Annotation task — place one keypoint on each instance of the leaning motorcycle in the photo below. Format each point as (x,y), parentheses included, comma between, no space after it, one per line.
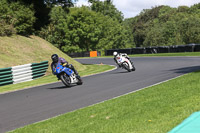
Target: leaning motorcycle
(67,75)
(125,63)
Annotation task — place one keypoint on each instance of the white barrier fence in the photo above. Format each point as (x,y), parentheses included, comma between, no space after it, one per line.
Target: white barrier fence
(22,73)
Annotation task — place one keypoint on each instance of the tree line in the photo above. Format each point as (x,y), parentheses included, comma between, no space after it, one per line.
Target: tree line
(164,26)
(99,26)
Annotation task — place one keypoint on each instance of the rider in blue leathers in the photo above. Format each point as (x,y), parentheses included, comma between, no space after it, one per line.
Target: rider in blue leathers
(59,60)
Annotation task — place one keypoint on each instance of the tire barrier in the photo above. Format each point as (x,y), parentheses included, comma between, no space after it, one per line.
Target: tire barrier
(22,73)
(83,54)
(159,49)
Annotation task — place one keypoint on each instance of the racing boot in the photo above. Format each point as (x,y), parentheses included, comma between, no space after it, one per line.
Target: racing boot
(78,77)
(58,77)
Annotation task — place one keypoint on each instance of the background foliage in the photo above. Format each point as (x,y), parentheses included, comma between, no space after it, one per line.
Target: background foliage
(86,28)
(99,26)
(15,17)
(164,26)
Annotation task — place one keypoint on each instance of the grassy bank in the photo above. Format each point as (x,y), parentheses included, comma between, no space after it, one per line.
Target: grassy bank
(90,69)
(152,110)
(19,50)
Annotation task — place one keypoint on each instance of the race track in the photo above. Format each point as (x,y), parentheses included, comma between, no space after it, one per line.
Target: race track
(28,106)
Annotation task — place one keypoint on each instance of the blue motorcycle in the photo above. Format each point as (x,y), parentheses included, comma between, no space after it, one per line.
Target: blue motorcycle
(67,75)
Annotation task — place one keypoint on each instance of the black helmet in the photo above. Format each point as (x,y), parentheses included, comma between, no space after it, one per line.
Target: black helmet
(54,58)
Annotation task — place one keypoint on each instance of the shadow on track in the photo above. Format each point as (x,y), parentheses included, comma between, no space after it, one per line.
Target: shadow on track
(118,72)
(185,70)
(59,87)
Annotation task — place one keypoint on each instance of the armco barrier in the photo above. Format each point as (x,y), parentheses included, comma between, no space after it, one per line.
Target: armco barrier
(163,49)
(22,73)
(159,49)
(81,54)
(197,47)
(138,51)
(5,76)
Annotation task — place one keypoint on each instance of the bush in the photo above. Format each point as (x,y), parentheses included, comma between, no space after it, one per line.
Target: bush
(15,18)
(6,29)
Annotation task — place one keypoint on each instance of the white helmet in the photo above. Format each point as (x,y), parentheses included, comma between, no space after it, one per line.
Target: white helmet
(115,53)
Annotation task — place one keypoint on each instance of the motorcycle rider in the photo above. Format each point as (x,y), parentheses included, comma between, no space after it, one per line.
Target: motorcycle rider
(115,54)
(59,60)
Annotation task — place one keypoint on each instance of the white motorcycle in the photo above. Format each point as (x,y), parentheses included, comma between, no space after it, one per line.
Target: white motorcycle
(125,63)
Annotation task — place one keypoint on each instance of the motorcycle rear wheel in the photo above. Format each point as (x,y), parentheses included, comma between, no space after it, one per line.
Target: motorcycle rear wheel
(65,79)
(133,69)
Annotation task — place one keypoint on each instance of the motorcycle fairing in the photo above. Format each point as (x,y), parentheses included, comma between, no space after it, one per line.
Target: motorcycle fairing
(59,69)
(120,60)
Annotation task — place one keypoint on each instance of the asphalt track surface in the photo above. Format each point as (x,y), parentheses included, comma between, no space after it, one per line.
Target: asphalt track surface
(24,107)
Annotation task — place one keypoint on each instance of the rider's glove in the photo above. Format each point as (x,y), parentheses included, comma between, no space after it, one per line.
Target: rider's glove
(127,57)
(65,64)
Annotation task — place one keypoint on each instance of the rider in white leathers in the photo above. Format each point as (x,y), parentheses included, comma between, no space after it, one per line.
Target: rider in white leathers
(115,54)
(119,55)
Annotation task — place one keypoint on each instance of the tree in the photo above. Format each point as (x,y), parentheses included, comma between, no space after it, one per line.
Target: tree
(190,29)
(55,31)
(107,9)
(94,31)
(16,17)
(195,9)
(83,30)
(164,25)
(128,24)
(113,36)
(63,3)
(42,9)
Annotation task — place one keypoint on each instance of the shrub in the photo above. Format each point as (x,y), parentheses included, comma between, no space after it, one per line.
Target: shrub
(15,17)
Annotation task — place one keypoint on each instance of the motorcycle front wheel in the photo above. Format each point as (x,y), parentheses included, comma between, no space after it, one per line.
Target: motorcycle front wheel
(80,81)
(133,69)
(65,79)
(126,66)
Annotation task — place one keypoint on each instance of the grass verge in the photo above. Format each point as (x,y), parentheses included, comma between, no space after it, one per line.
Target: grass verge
(90,69)
(156,55)
(168,54)
(156,109)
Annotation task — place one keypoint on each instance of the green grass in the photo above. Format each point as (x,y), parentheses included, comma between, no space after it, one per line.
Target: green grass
(90,69)
(168,54)
(156,55)
(156,109)
(94,69)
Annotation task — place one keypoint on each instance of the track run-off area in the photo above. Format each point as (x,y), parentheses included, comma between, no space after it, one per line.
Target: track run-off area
(28,106)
